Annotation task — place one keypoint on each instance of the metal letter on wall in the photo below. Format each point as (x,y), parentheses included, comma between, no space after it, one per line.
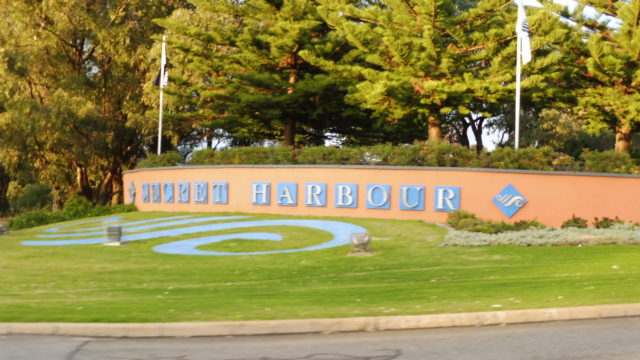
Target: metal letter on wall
(287,194)
(411,197)
(261,193)
(378,196)
(446,198)
(346,196)
(168,191)
(220,192)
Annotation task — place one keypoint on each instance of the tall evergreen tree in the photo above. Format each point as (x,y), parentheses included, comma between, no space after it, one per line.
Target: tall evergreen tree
(435,61)
(612,99)
(243,72)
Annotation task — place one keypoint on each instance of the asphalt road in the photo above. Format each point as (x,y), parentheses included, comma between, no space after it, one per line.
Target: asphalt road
(610,339)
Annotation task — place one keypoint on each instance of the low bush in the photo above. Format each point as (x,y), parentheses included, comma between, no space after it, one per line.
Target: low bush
(575,222)
(75,208)
(528,159)
(418,154)
(606,222)
(253,155)
(607,162)
(620,234)
(466,221)
(162,160)
(35,218)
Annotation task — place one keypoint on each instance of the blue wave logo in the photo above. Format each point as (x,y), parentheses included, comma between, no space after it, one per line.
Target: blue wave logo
(509,201)
(70,234)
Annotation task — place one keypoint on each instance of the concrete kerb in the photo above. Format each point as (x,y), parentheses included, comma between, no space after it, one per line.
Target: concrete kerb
(264,327)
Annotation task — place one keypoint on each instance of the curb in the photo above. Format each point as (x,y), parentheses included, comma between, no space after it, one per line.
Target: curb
(265,327)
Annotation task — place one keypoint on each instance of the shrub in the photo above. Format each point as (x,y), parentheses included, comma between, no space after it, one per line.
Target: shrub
(524,159)
(466,221)
(607,161)
(252,155)
(434,154)
(330,155)
(377,155)
(417,154)
(108,210)
(454,218)
(203,157)
(35,218)
(527,225)
(34,196)
(575,222)
(162,160)
(77,207)
(606,222)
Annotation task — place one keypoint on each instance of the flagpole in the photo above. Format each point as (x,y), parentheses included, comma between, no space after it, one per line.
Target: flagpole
(163,61)
(518,73)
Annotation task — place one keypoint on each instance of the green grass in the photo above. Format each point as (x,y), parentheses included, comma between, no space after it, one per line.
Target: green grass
(409,274)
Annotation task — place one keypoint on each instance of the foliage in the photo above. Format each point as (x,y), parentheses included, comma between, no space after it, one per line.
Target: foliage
(608,161)
(620,234)
(417,154)
(35,218)
(605,222)
(241,72)
(244,155)
(466,221)
(575,222)
(32,196)
(528,159)
(73,74)
(436,63)
(162,160)
(612,99)
(75,208)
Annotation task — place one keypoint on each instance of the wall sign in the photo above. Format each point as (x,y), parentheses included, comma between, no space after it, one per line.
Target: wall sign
(312,194)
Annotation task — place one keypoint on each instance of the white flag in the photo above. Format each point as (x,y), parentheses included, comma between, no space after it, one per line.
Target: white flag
(522,30)
(162,79)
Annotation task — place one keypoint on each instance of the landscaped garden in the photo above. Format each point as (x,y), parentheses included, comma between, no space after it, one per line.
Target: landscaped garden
(411,272)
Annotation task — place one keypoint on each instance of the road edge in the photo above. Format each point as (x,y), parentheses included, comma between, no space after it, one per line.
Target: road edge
(302,326)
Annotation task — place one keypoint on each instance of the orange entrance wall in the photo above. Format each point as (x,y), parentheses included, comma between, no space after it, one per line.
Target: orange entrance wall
(552,197)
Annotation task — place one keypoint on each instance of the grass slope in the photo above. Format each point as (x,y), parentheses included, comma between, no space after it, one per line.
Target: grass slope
(409,274)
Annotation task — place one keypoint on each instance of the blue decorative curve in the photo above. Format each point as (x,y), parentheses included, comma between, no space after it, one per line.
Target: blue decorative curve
(341,232)
(341,236)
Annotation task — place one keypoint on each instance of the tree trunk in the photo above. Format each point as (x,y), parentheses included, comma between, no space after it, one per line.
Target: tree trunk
(82,182)
(623,137)
(116,186)
(4,186)
(435,129)
(476,128)
(56,199)
(290,132)
(104,193)
(290,124)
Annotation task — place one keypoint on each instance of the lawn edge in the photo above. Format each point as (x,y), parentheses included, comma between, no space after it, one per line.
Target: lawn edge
(303,326)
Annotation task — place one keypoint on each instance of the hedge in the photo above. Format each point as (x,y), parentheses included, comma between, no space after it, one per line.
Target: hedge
(417,154)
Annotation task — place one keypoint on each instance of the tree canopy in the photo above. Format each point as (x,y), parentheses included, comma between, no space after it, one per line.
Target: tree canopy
(77,104)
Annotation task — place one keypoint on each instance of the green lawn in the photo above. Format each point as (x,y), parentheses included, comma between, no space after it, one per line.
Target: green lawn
(409,274)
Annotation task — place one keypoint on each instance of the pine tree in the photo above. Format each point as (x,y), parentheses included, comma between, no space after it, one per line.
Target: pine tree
(242,71)
(612,99)
(440,62)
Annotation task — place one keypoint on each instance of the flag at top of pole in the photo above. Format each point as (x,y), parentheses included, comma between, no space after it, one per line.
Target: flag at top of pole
(522,29)
(523,56)
(161,81)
